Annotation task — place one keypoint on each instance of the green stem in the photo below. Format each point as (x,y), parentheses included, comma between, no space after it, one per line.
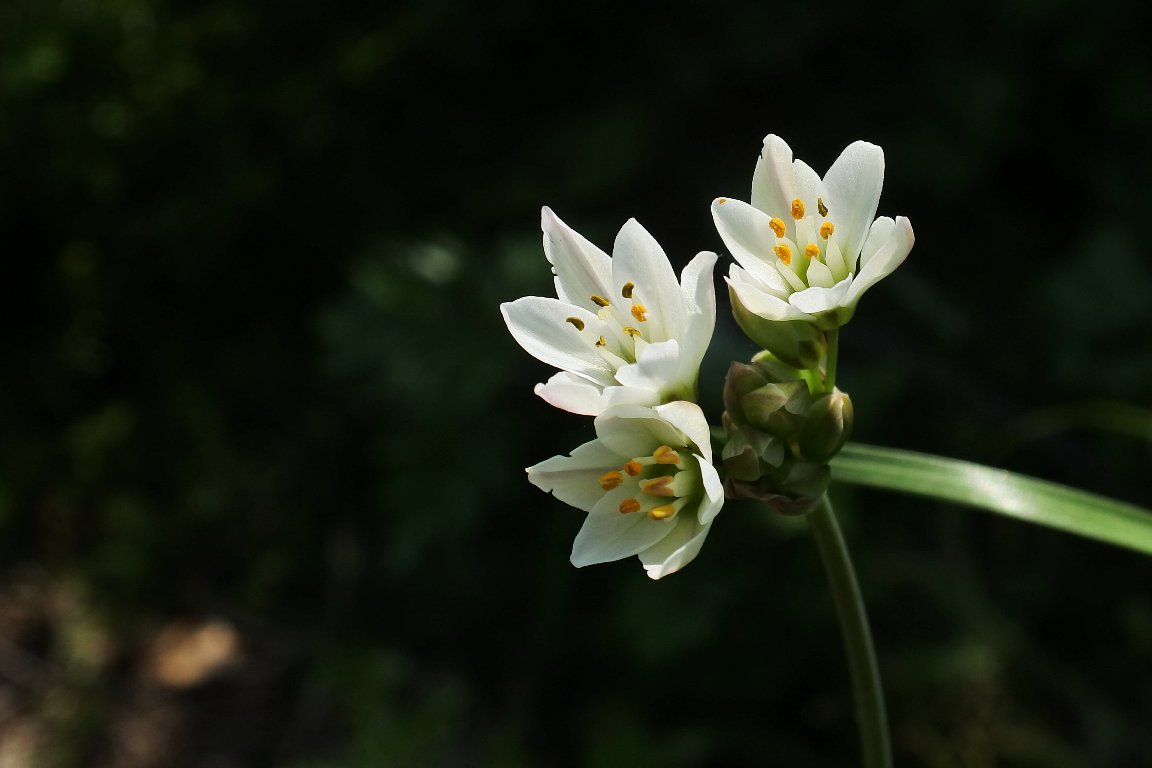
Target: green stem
(871,717)
(833,338)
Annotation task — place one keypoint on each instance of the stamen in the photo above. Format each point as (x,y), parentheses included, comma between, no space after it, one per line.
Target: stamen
(797,209)
(599,301)
(601,342)
(576,322)
(626,291)
(665,455)
(777,226)
(784,253)
(628,506)
(821,207)
(631,331)
(658,486)
(826,229)
(663,512)
(633,468)
(610,480)
(639,311)
(721,200)
(811,250)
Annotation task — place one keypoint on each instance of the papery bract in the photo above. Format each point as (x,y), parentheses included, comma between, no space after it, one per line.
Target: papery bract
(807,247)
(622,329)
(647,483)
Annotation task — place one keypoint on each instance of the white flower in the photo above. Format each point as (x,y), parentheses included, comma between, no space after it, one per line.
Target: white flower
(623,330)
(647,483)
(807,247)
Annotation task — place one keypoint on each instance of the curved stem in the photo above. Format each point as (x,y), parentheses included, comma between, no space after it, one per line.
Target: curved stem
(871,717)
(833,339)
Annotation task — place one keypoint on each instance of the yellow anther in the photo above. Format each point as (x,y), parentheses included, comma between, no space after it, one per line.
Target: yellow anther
(610,480)
(599,301)
(628,506)
(784,253)
(721,200)
(665,455)
(576,322)
(640,312)
(826,229)
(658,486)
(797,209)
(626,291)
(821,207)
(601,342)
(663,512)
(777,226)
(631,331)
(811,250)
(633,468)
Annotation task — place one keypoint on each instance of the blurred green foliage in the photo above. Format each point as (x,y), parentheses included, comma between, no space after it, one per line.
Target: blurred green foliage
(253,369)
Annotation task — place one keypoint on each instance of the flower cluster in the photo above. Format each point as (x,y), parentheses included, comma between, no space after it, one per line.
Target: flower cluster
(628,339)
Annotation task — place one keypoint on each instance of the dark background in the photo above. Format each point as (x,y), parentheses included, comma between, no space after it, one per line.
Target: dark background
(262,430)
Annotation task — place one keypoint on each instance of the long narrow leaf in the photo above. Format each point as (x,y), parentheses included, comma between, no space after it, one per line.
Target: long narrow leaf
(996,490)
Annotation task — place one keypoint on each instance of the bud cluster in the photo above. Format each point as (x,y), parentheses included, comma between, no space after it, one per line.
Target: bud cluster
(781,430)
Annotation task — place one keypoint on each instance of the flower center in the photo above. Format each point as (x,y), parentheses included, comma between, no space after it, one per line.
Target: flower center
(806,249)
(627,324)
(658,485)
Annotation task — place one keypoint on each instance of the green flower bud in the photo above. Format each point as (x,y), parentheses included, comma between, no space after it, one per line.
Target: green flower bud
(776,408)
(827,426)
(797,343)
(741,380)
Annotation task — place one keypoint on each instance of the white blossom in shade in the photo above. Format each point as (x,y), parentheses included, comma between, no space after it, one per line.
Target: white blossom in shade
(647,483)
(808,248)
(622,329)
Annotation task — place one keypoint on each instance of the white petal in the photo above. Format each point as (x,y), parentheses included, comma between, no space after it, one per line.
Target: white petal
(675,550)
(889,252)
(638,259)
(575,479)
(713,493)
(539,325)
(581,268)
(762,304)
(574,394)
(809,188)
(656,368)
(700,321)
(835,259)
(881,231)
(774,180)
(817,300)
(689,419)
(819,275)
(608,535)
(632,430)
(852,192)
(749,239)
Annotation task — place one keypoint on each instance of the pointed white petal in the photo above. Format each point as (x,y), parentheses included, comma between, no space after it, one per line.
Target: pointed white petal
(656,368)
(814,301)
(774,180)
(638,259)
(540,326)
(574,394)
(745,231)
(574,479)
(884,256)
(675,550)
(762,304)
(689,419)
(852,192)
(581,268)
(878,237)
(700,317)
(835,260)
(713,493)
(608,535)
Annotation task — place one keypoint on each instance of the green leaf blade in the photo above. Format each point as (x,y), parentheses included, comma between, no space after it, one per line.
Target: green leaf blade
(996,490)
